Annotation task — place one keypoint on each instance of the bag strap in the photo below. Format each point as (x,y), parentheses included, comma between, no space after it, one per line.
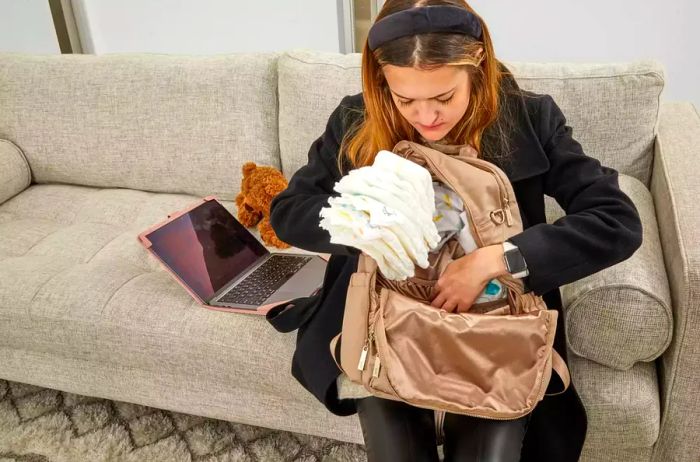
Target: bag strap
(559,366)
(365,263)
(292,314)
(335,349)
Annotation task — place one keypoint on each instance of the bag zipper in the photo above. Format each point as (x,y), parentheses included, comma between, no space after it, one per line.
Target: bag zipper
(365,347)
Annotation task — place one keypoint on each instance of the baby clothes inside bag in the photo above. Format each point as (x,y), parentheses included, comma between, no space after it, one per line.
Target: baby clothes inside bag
(451,218)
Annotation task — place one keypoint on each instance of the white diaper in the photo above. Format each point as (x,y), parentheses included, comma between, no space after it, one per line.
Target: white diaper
(385,210)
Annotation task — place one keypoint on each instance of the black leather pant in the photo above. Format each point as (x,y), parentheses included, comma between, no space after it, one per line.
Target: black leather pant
(395,431)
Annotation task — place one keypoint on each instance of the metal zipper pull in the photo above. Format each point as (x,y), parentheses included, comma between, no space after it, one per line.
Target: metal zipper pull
(506,208)
(363,357)
(365,347)
(375,371)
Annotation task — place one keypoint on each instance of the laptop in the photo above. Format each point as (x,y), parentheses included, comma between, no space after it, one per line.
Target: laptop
(224,266)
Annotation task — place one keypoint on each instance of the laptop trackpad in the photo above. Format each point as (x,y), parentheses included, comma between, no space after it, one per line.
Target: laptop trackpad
(303,283)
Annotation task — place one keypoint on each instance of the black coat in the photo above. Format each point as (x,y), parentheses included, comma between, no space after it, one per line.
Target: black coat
(602,227)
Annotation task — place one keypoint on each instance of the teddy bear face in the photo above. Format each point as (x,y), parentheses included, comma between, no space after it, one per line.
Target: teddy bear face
(260,185)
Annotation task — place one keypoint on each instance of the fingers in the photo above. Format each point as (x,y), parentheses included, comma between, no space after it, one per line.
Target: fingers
(443,300)
(438,300)
(449,306)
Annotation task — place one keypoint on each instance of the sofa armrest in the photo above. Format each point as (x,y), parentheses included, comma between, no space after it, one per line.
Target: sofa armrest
(676,192)
(622,314)
(15,175)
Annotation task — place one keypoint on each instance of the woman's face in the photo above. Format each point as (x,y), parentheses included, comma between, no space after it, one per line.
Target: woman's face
(433,101)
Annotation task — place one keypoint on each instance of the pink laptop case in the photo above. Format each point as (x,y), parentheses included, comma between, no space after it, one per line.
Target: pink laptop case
(261,310)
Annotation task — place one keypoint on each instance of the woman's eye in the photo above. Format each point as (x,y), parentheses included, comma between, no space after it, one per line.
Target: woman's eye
(441,101)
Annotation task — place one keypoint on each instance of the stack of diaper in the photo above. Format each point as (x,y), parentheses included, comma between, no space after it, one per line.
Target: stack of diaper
(386,210)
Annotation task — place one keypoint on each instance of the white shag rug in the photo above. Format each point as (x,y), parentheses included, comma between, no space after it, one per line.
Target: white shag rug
(44,425)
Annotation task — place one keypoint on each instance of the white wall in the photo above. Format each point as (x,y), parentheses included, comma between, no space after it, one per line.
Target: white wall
(602,31)
(206,26)
(26,26)
(535,30)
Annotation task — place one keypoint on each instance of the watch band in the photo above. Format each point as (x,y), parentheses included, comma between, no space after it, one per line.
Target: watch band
(511,249)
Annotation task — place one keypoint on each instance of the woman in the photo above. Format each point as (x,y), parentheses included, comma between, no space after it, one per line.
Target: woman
(430,75)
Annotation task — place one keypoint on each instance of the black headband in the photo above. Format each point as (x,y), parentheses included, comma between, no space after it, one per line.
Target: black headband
(422,19)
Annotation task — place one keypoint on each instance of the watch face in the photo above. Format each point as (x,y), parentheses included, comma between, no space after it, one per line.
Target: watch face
(516,262)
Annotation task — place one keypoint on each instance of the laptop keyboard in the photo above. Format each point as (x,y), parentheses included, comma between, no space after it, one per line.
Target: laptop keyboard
(257,286)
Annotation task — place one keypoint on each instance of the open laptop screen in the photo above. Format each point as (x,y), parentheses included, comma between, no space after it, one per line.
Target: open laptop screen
(206,247)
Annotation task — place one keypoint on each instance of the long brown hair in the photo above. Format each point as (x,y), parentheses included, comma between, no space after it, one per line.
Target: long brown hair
(383,125)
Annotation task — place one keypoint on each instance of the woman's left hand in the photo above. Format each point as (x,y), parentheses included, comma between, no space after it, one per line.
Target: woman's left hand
(465,278)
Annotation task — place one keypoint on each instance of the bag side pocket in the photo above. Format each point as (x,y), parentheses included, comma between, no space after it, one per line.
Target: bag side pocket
(355,323)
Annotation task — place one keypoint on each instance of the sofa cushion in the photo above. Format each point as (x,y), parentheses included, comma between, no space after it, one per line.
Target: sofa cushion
(15,175)
(612,108)
(84,308)
(77,283)
(622,406)
(622,314)
(311,85)
(164,123)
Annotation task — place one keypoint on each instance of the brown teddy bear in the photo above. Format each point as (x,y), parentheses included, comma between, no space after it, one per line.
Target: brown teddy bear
(259,185)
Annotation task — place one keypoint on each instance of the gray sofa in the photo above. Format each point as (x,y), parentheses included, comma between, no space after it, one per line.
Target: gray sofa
(97,148)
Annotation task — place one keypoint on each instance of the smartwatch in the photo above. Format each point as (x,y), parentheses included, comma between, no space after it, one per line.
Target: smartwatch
(514,260)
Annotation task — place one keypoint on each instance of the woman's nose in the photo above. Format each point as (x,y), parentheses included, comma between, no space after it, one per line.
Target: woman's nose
(427,114)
